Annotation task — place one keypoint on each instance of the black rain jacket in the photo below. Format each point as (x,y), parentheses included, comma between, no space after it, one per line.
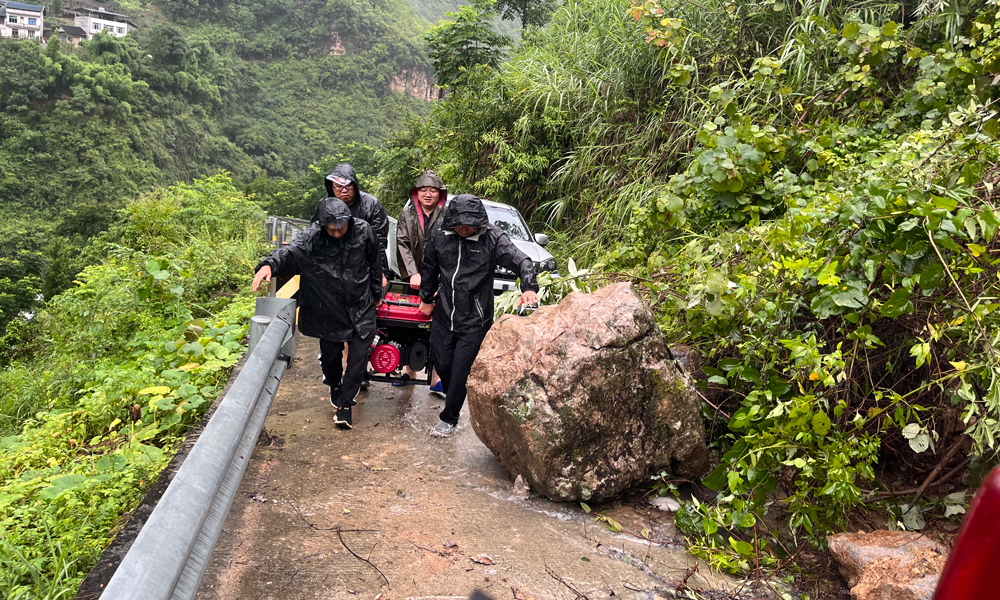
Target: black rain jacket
(341,279)
(461,269)
(366,207)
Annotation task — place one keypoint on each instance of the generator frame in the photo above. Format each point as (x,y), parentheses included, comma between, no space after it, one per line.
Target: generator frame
(394,323)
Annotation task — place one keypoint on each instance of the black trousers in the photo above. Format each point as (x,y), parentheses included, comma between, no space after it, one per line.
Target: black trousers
(453,355)
(331,359)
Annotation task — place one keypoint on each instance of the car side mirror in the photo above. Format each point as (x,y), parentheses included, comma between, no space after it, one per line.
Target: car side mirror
(541,239)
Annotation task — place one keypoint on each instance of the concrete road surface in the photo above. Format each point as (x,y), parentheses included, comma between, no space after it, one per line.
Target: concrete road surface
(437,518)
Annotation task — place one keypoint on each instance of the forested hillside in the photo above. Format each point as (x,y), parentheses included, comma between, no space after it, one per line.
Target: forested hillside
(259,90)
(805,192)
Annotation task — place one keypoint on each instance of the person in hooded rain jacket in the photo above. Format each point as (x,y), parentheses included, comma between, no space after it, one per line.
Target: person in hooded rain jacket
(338,259)
(461,256)
(413,227)
(342,183)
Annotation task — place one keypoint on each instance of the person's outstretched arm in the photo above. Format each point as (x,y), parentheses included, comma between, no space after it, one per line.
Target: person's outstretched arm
(511,258)
(282,261)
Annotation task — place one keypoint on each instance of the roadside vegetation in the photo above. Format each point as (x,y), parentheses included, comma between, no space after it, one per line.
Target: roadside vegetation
(805,193)
(99,387)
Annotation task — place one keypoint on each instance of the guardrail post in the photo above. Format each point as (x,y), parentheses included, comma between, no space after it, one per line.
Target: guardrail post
(258,324)
(269,307)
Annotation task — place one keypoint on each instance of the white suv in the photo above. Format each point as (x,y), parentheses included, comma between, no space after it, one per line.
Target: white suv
(510,221)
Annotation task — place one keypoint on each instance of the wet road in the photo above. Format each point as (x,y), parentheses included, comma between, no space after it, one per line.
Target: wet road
(432,513)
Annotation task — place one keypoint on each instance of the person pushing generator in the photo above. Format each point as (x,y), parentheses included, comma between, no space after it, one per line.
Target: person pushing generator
(461,256)
(340,263)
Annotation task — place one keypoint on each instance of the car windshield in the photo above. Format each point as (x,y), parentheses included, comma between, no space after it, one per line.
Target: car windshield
(509,222)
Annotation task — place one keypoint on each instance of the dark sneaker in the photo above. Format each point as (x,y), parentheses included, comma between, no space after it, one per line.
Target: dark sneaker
(443,430)
(437,389)
(343,418)
(366,383)
(335,397)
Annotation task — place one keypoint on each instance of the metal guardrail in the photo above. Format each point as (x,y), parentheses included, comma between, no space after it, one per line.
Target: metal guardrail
(282,230)
(170,555)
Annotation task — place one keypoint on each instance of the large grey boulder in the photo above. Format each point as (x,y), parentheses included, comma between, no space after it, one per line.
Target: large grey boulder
(584,399)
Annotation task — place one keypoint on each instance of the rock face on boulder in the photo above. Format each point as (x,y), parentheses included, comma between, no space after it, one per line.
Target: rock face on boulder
(888,565)
(584,399)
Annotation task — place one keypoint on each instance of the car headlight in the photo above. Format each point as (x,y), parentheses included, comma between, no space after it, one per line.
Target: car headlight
(549,265)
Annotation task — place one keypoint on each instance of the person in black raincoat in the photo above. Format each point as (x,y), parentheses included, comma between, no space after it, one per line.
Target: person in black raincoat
(342,183)
(338,259)
(460,259)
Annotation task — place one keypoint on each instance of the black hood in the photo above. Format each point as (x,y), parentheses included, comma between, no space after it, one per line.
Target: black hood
(330,209)
(465,210)
(346,171)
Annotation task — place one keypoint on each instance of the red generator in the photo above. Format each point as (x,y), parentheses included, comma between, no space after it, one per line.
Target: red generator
(403,336)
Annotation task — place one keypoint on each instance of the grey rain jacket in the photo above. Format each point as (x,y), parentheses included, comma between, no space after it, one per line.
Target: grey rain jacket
(366,207)
(461,269)
(341,279)
(413,227)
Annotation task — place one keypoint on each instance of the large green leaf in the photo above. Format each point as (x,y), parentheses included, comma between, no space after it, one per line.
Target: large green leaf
(898,304)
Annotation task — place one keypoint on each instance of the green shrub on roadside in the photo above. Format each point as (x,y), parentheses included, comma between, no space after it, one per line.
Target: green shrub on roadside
(132,355)
(805,194)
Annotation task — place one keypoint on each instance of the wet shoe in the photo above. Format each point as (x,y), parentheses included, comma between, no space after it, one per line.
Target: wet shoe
(403,380)
(443,430)
(437,389)
(343,418)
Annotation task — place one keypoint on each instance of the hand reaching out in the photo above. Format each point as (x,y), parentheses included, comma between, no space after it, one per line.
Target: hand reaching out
(264,274)
(528,297)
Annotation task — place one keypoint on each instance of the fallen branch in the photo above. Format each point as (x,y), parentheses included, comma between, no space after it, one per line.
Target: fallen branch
(341,537)
(579,595)
(717,409)
(335,528)
(438,552)
(930,478)
(943,480)
(683,584)
(340,531)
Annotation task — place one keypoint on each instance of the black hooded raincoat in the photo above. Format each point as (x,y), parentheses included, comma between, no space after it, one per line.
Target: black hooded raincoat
(341,279)
(461,269)
(365,207)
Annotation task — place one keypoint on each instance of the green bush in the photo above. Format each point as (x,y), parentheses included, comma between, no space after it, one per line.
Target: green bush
(104,382)
(805,194)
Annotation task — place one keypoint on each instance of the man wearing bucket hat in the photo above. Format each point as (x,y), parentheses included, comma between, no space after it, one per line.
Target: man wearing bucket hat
(338,259)
(461,257)
(426,207)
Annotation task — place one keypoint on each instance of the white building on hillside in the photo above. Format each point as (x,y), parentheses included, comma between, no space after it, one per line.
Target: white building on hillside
(20,20)
(93,20)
